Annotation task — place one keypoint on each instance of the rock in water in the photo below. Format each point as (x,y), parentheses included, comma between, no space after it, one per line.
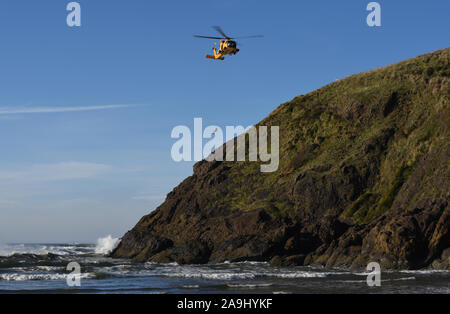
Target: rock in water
(363,176)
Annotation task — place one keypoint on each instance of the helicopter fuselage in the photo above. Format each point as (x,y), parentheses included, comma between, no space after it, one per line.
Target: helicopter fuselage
(227,47)
(227,44)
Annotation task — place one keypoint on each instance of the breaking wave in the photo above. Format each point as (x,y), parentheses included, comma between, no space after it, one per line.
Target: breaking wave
(106,245)
(7,250)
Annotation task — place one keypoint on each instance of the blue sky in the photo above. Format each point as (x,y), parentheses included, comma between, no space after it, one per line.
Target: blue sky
(76,174)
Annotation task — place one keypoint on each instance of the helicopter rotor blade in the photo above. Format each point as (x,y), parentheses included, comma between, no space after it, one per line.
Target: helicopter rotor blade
(243,37)
(207,37)
(225,36)
(220,31)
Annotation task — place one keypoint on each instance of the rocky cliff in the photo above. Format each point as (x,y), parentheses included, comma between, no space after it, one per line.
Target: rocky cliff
(363,176)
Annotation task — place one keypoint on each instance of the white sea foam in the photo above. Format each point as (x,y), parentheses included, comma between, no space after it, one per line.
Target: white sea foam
(11,249)
(299,274)
(281,292)
(401,279)
(361,274)
(190,287)
(48,268)
(383,280)
(250,286)
(234,273)
(424,271)
(106,245)
(212,275)
(41,249)
(28,276)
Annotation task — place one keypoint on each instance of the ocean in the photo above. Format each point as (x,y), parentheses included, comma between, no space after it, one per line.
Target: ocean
(41,268)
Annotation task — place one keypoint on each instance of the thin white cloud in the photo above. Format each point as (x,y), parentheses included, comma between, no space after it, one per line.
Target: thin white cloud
(56,172)
(26,110)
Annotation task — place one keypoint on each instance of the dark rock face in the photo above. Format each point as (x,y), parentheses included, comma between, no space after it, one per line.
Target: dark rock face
(194,252)
(364,176)
(141,245)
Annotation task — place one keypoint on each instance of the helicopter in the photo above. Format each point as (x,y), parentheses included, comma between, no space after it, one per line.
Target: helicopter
(228,45)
